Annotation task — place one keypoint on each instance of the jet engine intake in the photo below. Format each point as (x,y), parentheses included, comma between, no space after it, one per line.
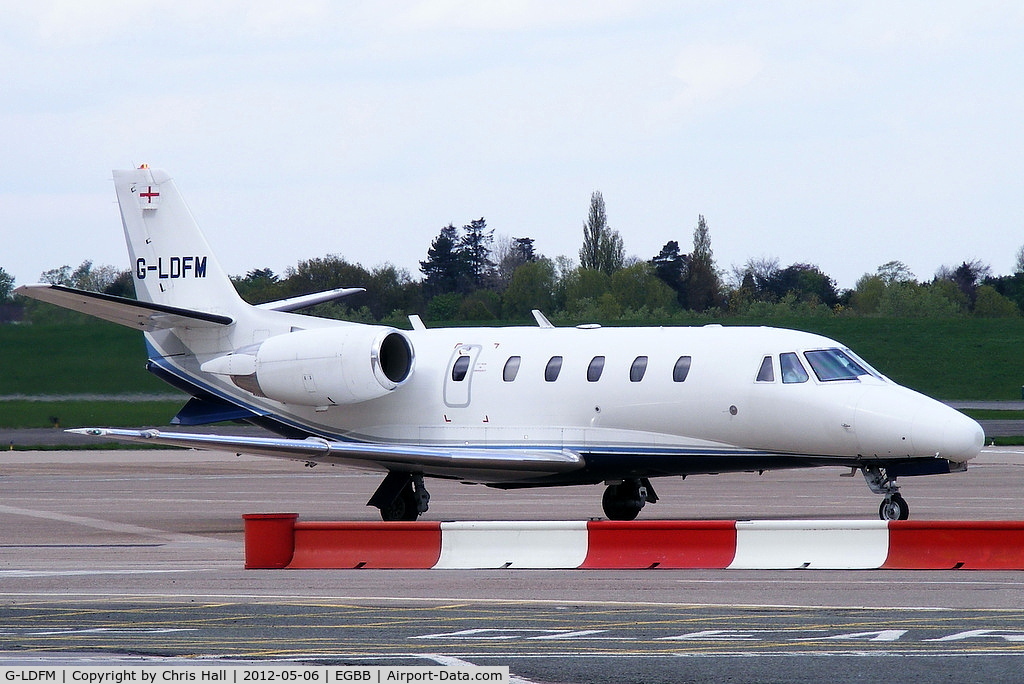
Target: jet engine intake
(321,367)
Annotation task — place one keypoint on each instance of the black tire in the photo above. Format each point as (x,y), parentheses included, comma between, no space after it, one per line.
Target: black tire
(894,508)
(404,507)
(620,502)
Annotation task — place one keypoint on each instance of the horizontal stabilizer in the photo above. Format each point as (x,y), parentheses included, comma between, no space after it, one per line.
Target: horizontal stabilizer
(386,456)
(303,301)
(121,310)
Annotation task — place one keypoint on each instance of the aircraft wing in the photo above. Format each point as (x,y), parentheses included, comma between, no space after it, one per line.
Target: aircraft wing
(386,456)
(121,310)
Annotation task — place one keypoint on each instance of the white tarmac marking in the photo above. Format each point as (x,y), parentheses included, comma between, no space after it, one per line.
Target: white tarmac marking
(108,526)
(67,573)
(449,661)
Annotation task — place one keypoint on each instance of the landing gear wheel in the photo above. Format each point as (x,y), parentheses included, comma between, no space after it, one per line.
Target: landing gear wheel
(622,502)
(894,507)
(404,507)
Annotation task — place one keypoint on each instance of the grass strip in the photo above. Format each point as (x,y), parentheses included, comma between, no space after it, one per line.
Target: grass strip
(1004,441)
(993,414)
(73,414)
(104,445)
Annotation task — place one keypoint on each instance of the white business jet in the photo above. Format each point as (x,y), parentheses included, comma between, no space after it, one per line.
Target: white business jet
(506,407)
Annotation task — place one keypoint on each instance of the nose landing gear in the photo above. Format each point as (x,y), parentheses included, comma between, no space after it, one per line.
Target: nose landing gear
(894,506)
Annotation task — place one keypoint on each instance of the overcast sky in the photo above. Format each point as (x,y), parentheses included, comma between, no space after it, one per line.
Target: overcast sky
(841,134)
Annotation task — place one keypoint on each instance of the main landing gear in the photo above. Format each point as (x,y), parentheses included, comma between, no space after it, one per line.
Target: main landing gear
(401,496)
(624,498)
(894,506)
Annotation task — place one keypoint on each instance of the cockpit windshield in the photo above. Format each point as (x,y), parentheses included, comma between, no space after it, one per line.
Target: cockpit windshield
(864,364)
(835,364)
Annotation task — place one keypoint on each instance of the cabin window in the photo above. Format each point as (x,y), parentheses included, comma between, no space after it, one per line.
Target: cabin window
(553,368)
(460,368)
(834,364)
(767,371)
(637,370)
(792,370)
(681,369)
(595,369)
(511,369)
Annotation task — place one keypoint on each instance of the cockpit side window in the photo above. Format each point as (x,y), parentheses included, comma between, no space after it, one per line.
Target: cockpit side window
(767,371)
(792,370)
(834,364)
(863,364)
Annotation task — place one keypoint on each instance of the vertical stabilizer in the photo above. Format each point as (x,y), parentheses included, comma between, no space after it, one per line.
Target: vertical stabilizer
(170,258)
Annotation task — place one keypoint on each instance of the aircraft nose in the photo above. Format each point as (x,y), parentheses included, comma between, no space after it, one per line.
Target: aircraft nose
(939,429)
(900,422)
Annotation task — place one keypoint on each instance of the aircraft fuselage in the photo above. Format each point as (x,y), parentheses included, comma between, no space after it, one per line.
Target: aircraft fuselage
(646,401)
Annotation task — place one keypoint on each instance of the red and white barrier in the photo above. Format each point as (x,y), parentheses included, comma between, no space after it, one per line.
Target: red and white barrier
(811,544)
(280,540)
(527,544)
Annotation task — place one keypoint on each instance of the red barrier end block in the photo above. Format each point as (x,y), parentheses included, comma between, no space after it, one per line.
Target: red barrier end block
(269,539)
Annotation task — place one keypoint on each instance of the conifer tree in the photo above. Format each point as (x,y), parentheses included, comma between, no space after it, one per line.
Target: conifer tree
(602,247)
(445,268)
(703,286)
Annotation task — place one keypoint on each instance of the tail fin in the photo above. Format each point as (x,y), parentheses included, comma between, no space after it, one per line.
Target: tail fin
(171,260)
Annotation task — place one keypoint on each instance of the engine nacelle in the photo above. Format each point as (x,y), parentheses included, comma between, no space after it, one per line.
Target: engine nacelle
(321,367)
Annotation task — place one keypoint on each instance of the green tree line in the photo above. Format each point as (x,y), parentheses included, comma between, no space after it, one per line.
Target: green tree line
(470,275)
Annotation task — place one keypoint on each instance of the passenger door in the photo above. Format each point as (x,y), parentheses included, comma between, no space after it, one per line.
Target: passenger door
(459,377)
